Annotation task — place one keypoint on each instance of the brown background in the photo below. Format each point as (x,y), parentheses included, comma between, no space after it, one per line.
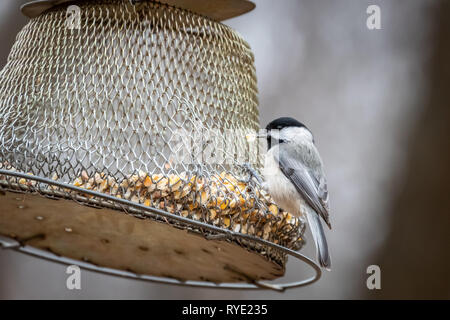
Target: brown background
(378,104)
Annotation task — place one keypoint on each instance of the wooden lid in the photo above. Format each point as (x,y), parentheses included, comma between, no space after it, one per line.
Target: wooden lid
(218,10)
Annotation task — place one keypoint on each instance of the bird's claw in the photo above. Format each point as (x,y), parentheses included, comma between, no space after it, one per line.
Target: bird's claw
(252,174)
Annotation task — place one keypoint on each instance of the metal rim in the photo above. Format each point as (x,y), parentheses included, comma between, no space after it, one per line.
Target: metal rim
(9,243)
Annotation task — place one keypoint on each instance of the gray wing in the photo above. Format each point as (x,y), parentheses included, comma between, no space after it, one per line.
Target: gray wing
(313,189)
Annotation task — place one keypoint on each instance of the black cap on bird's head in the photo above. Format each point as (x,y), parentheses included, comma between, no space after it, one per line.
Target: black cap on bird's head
(280,124)
(283,122)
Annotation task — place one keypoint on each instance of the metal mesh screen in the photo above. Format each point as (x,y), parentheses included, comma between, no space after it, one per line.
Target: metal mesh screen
(144,102)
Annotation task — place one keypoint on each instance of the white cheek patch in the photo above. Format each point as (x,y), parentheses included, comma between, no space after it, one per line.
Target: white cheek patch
(275,134)
(275,137)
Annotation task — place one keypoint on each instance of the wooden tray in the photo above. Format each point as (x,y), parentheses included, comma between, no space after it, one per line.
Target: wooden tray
(115,239)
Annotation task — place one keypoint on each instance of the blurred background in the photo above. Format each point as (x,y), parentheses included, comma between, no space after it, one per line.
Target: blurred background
(378,102)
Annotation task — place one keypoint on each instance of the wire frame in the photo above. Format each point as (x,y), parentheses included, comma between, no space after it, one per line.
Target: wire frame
(145,104)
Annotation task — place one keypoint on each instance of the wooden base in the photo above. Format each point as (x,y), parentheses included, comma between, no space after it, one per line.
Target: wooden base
(217,10)
(114,239)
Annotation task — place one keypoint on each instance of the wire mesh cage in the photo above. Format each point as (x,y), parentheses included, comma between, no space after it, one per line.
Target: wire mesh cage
(123,138)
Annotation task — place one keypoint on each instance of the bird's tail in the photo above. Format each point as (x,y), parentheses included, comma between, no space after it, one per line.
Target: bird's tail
(319,239)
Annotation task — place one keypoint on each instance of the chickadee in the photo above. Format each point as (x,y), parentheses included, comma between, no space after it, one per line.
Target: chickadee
(294,177)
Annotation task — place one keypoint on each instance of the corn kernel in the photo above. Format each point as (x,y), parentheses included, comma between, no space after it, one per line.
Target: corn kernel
(226,221)
(78,182)
(103,185)
(97,178)
(162,184)
(274,209)
(148,181)
(84,175)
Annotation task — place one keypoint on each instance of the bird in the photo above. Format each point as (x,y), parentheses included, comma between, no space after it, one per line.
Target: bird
(293,175)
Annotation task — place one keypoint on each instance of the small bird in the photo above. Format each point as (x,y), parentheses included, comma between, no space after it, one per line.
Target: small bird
(294,177)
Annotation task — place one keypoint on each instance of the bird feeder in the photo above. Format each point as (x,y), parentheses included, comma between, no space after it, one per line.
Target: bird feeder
(109,113)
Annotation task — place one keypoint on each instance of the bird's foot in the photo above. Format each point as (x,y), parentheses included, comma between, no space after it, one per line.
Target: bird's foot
(252,174)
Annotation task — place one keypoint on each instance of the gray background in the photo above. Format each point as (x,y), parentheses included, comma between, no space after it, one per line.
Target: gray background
(363,93)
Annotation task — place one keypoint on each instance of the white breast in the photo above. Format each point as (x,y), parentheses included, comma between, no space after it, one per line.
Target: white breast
(280,188)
